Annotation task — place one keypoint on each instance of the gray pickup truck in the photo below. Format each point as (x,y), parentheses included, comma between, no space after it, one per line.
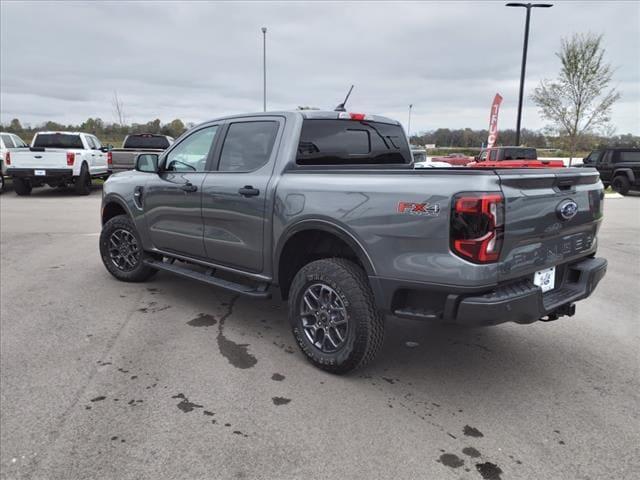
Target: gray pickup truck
(124,158)
(326,208)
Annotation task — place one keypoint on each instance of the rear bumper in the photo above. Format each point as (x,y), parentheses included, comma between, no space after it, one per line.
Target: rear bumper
(30,173)
(520,301)
(523,302)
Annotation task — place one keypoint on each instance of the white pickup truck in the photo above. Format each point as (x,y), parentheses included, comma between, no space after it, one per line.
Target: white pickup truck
(58,159)
(9,143)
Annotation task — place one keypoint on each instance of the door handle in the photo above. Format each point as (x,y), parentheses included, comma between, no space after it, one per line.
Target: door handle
(189,187)
(249,191)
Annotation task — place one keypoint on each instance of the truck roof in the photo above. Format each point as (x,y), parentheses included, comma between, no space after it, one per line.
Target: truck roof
(50,132)
(311,114)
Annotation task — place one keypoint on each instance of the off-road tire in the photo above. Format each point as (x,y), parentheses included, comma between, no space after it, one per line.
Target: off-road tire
(621,184)
(22,187)
(82,184)
(141,272)
(365,327)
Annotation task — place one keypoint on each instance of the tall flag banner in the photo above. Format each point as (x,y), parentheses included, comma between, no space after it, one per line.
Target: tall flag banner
(493,121)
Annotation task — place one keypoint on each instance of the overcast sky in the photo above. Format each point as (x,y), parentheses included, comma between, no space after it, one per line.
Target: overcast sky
(62,61)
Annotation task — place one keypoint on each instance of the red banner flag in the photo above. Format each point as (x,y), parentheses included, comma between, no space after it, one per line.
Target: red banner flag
(493,121)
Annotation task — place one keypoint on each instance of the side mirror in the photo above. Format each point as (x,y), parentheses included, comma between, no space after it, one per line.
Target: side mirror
(147,162)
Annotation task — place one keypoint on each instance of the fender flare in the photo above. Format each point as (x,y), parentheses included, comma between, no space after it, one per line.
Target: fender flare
(113,198)
(628,172)
(325,226)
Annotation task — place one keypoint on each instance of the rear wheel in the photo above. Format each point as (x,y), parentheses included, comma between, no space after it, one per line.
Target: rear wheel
(22,186)
(621,184)
(121,251)
(333,315)
(83,182)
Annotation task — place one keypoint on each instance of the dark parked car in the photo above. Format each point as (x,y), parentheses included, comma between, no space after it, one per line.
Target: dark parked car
(618,167)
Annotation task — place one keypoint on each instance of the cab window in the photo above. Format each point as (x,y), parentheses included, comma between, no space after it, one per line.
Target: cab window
(247,146)
(191,154)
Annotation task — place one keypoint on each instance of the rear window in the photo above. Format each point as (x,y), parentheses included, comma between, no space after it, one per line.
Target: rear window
(629,156)
(349,142)
(520,154)
(146,141)
(58,140)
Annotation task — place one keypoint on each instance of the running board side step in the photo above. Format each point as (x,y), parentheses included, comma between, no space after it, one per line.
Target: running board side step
(261,291)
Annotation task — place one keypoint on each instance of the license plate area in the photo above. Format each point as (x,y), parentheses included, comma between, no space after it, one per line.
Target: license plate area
(545,279)
(40,173)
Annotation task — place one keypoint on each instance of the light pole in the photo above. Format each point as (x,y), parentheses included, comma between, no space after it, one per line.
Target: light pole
(409,123)
(264,69)
(528,6)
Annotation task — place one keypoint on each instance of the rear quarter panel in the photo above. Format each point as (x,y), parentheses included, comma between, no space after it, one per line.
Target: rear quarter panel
(365,204)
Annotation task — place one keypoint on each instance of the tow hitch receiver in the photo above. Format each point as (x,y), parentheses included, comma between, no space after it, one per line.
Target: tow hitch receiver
(568,310)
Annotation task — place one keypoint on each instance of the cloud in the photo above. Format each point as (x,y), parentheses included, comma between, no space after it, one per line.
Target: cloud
(62,61)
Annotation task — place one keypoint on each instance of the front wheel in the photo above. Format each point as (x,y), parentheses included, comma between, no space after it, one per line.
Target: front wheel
(333,315)
(621,184)
(121,251)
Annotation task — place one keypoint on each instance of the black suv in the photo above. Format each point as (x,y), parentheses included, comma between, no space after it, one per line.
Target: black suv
(618,167)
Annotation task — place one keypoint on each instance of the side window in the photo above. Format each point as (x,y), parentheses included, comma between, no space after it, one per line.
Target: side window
(191,154)
(629,156)
(493,155)
(96,142)
(247,146)
(18,141)
(89,141)
(7,141)
(483,155)
(606,158)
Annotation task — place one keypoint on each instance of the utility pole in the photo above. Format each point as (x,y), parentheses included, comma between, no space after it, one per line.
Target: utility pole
(409,123)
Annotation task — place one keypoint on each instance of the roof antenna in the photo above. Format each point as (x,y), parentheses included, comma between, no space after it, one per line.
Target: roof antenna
(340,108)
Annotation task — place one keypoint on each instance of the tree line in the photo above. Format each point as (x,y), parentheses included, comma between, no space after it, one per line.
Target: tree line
(108,133)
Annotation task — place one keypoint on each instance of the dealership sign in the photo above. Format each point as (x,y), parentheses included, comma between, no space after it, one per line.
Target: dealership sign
(493,121)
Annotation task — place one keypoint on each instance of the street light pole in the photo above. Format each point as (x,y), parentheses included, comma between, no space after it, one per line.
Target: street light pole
(409,123)
(528,6)
(264,69)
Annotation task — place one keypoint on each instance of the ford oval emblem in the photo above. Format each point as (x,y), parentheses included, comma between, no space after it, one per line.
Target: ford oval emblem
(567,209)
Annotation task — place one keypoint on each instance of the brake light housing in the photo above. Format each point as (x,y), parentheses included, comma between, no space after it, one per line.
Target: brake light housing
(353,116)
(477,226)
(109,159)
(7,158)
(71,158)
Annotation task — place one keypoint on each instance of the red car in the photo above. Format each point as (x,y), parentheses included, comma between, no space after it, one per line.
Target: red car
(456,159)
(512,157)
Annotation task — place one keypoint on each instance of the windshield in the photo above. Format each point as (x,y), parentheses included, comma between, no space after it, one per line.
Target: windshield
(58,140)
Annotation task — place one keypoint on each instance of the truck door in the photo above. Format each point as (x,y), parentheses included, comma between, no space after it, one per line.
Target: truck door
(604,166)
(234,201)
(172,199)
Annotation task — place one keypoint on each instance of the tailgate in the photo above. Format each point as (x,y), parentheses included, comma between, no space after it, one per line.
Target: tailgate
(551,217)
(51,158)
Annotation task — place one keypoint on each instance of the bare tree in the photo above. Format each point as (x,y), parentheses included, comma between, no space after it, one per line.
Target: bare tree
(579,102)
(118,109)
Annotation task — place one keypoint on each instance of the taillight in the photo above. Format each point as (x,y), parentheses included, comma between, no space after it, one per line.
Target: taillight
(71,157)
(109,158)
(477,226)
(7,158)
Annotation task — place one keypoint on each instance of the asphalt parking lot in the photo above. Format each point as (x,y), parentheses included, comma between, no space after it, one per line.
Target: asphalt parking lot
(173,379)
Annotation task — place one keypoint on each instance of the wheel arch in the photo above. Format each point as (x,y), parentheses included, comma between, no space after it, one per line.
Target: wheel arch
(310,240)
(113,206)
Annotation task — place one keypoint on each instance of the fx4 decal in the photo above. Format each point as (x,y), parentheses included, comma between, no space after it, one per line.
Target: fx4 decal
(412,208)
